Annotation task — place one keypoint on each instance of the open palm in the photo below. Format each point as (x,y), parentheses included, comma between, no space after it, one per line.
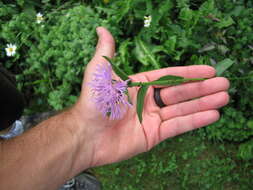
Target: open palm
(188,106)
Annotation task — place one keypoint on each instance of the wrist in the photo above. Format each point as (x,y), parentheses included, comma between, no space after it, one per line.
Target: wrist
(91,126)
(82,143)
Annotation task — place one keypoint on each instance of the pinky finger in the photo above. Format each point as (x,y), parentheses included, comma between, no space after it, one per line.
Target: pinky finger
(179,125)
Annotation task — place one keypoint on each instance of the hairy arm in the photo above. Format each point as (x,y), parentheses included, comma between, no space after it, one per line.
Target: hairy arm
(46,156)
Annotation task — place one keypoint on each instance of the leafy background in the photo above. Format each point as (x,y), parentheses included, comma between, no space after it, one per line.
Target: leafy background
(52,55)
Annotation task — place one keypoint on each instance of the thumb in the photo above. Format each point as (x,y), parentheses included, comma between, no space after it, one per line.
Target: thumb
(105,46)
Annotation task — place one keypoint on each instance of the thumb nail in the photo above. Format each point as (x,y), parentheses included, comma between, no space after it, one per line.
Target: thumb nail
(98,30)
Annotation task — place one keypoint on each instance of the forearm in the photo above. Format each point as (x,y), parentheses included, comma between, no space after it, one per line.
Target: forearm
(44,157)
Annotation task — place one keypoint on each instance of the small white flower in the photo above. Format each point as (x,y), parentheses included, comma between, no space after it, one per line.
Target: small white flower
(11,50)
(39,18)
(147,21)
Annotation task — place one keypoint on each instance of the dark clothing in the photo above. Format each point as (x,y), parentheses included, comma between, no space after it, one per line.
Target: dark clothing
(11,100)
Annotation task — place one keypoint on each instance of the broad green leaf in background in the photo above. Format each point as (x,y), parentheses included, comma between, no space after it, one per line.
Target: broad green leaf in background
(124,9)
(208,7)
(223,49)
(170,44)
(186,14)
(144,54)
(246,150)
(117,70)
(124,56)
(207,47)
(140,101)
(222,66)
(182,3)
(225,22)
(160,12)
(189,18)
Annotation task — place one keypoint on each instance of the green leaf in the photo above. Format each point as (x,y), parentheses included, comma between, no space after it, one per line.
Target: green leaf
(144,54)
(186,14)
(170,80)
(225,22)
(222,66)
(125,7)
(207,7)
(117,70)
(124,56)
(140,101)
(170,44)
(169,77)
(246,150)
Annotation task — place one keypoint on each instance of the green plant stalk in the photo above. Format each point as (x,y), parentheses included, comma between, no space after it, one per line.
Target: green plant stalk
(166,82)
(179,81)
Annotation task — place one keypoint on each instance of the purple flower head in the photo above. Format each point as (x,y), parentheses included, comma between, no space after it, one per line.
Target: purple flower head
(109,95)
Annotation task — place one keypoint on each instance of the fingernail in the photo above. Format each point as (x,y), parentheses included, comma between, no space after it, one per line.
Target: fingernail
(98,30)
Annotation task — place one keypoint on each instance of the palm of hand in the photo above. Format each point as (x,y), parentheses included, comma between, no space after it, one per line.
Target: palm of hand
(127,137)
(118,140)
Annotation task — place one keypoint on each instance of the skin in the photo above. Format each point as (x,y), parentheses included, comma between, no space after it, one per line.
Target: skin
(80,137)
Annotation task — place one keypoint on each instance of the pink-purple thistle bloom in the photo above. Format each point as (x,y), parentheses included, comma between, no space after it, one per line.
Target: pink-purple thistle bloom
(109,95)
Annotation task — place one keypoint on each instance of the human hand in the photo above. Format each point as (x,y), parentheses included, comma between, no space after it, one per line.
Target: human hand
(188,106)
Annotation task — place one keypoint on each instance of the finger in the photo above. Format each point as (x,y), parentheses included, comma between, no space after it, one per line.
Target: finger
(179,125)
(183,92)
(209,102)
(105,47)
(194,71)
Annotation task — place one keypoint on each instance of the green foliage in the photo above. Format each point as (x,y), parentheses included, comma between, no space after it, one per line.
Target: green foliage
(193,32)
(212,178)
(53,53)
(246,150)
(232,126)
(185,162)
(64,48)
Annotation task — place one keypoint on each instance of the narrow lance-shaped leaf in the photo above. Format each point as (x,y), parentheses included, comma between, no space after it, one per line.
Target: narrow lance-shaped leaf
(170,77)
(117,70)
(170,80)
(140,101)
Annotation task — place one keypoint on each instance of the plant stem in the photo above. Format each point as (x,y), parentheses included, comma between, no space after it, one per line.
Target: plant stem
(165,82)
(179,81)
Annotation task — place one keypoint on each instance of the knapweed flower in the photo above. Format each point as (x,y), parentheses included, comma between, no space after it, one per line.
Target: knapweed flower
(11,49)
(147,21)
(109,95)
(39,18)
